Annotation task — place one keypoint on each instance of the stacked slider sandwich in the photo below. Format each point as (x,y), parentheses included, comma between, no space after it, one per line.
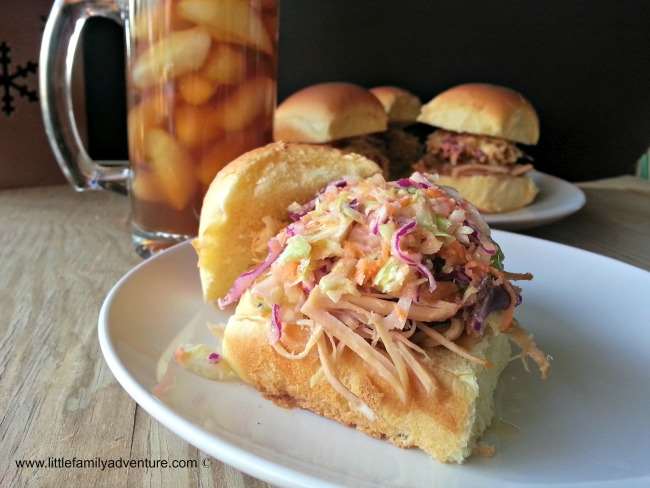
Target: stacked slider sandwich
(473,148)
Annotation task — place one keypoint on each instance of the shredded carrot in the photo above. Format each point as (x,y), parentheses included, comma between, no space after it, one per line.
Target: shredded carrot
(482,267)
(180,355)
(352,249)
(405,201)
(401,314)
(434,192)
(289,272)
(366,269)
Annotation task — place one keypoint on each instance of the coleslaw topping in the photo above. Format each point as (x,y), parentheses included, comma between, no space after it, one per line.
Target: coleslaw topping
(203,361)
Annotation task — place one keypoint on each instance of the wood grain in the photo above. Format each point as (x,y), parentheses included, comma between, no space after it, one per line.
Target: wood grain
(613,222)
(60,253)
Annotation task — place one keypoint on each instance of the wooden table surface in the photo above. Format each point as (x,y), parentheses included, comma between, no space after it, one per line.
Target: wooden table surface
(60,253)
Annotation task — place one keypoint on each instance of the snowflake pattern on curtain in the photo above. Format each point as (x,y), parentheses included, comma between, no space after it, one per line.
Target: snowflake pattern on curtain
(13,80)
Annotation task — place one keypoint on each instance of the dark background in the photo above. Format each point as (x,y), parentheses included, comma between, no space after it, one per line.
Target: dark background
(584,65)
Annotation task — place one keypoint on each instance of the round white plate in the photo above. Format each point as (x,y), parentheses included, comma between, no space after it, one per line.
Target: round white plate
(557,199)
(587,425)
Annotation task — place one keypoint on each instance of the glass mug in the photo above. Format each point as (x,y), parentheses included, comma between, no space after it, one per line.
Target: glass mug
(201,90)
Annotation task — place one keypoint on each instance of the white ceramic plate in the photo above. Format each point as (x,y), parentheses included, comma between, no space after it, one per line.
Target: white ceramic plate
(556,199)
(587,425)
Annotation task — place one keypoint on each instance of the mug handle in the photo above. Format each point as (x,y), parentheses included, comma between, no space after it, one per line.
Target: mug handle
(60,39)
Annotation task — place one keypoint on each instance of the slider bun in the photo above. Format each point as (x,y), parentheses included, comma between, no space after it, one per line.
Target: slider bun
(261,183)
(493,194)
(401,105)
(327,112)
(479,108)
(445,424)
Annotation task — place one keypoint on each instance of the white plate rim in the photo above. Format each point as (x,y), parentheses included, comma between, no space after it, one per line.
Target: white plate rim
(512,220)
(221,449)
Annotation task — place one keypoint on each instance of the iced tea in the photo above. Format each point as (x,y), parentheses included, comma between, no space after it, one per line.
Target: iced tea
(202,87)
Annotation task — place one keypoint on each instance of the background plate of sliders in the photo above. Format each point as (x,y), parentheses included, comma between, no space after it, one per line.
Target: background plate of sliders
(586,425)
(468,134)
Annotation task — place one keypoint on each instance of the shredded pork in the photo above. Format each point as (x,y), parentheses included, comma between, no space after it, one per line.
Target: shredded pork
(529,348)
(455,154)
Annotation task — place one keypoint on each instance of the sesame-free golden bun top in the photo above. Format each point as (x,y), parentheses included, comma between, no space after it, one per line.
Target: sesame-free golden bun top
(402,106)
(327,112)
(480,108)
(258,184)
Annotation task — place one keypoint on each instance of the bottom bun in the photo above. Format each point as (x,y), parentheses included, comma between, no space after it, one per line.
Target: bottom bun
(494,194)
(445,424)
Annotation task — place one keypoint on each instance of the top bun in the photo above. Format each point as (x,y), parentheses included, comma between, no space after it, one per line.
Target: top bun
(258,184)
(479,108)
(401,105)
(327,112)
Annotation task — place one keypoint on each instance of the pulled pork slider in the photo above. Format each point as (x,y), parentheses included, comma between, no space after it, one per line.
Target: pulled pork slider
(382,305)
(341,115)
(474,147)
(402,147)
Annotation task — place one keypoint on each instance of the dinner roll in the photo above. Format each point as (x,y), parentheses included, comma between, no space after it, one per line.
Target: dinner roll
(327,112)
